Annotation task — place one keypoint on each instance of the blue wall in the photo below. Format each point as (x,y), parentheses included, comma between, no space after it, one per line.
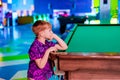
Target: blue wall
(41,6)
(76,6)
(47,6)
(4,0)
(83,6)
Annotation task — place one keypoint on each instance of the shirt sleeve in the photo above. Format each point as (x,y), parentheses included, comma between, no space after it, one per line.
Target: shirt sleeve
(34,53)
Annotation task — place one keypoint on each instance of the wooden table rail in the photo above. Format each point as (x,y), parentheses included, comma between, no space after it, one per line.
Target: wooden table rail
(89,66)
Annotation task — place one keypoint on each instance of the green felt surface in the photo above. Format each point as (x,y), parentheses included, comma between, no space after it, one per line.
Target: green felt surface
(94,39)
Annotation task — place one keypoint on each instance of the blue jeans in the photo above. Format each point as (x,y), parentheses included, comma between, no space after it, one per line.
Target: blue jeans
(54,77)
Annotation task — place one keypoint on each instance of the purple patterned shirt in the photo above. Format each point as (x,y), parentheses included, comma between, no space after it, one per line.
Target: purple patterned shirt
(36,51)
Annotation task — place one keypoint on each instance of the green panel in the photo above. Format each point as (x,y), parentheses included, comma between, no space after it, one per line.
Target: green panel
(16,57)
(96,3)
(114,8)
(6,50)
(95,39)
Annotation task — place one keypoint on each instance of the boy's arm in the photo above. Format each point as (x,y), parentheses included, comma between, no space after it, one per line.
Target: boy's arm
(61,44)
(41,62)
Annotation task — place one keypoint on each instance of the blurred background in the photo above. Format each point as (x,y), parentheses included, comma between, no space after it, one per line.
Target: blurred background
(17,17)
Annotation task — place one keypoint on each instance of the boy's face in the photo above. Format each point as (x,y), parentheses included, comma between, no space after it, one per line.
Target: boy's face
(48,34)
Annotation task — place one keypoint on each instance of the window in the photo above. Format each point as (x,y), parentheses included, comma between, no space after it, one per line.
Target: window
(104,1)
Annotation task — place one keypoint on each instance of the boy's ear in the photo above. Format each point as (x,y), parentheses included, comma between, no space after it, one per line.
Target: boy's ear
(41,33)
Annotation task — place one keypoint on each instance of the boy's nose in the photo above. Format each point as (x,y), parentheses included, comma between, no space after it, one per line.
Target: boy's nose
(51,31)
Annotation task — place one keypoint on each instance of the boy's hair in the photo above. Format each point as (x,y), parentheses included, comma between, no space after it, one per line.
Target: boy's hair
(40,26)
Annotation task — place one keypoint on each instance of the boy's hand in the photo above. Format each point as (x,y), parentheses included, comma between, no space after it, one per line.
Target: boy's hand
(54,36)
(52,49)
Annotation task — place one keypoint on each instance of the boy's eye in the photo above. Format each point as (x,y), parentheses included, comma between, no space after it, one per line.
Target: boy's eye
(50,30)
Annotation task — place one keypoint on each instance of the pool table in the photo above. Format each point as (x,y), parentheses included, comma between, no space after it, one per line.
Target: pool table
(93,53)
(92,66)
(94,38)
